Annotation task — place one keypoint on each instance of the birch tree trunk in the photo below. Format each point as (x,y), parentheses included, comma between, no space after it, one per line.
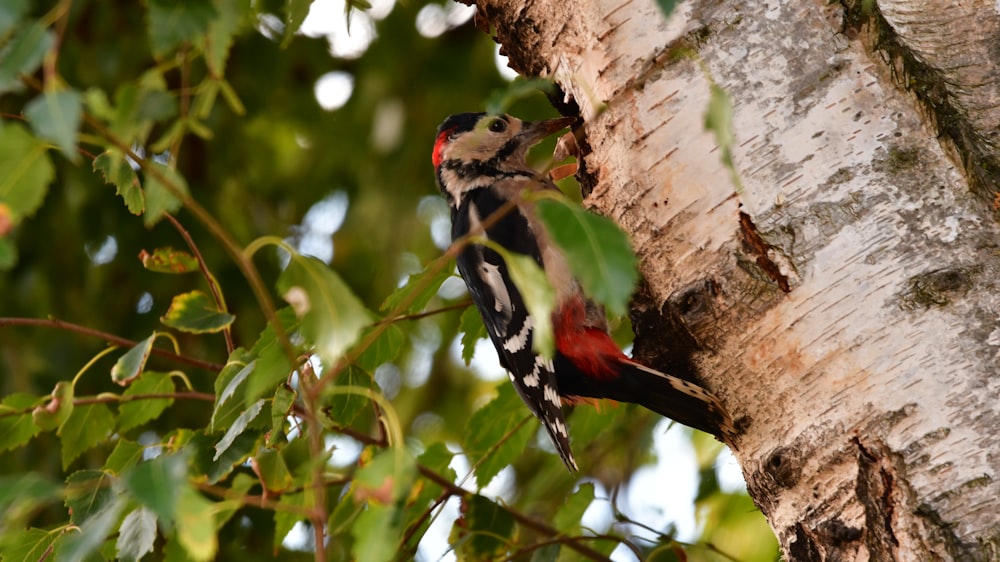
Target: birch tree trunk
(844,302)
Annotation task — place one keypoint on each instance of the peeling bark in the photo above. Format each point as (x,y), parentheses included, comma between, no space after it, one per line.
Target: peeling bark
(844,303)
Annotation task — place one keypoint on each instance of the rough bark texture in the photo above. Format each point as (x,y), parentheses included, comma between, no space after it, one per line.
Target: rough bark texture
(844,303)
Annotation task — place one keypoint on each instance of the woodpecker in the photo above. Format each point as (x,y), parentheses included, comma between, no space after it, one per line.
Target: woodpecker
(479,160)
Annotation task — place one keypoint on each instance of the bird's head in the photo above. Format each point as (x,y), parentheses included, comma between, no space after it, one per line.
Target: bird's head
(474,150)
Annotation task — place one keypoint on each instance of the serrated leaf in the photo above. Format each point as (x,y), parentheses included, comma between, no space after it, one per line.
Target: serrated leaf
(424,285)
(116,171)
(196,313)
(53,413)
(32,544)
(17,429)
(483,530)
(164,188)
(486,442)
(136,534)
(56,116)
(285,520)
(130,365)
(27,170)
(332,316)
(471,326)
(295,13)
(567,519)
(220,34)
(23,54)
(168,260)
(272,367)
(87,493)
(281,406)
(598,252)
(196,525)
(171,23)
(137,412)
(342,409)
(538,294)
(384,349)
(79,546)
(232,377)
(156,483)
(87,426)
(125,455)
(719,120)
(238,427)
(273,471)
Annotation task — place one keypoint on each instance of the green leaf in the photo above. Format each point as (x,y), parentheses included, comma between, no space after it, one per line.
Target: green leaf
(598,252)
(273,471)
(157,483)
(471,326)
(567,519)
(384,349)
(31,544)
(171,23)
(238,427)
(539,297)
(168,260)
(281,405)
(424,285)
(11,12)
(196,525)
(56,116)
(719,120)
(486,441)
(342,409)
(272,367)
(284,520)
(87,493)
(219,38)
(8,251)
(164,189)
(295,13)
(79,546)
(137,412)
(230,379)
(136,534)
(27,171)
(131,364)
(125,455)
(21,496)
(196,313)
(87,426)
(483,530)
(54,413)
(374,533)
(332,316)
(116,171)
(23,54)
(17,429)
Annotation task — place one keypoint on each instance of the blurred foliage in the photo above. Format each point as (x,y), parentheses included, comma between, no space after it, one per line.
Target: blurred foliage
(165,170)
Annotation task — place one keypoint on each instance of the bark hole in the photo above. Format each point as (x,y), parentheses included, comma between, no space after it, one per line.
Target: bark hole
(784,464)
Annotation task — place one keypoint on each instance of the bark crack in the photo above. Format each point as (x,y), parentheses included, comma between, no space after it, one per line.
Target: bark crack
(876,490)
(756,246)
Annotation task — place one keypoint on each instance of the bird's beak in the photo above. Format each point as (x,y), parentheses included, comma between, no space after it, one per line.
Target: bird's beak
(534,131)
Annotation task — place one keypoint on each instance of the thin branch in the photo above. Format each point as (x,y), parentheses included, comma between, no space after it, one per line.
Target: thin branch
(213,285)
(110,338)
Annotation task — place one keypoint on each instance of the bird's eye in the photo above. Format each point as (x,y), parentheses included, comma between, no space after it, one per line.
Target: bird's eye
(498,126)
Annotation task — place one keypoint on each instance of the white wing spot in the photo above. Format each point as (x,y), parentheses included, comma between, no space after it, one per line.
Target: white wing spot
(520,339)
(491,276)
(551,395)
(560,427)
(531,380)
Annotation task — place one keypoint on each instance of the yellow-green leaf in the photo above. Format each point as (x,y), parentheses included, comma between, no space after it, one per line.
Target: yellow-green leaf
(117,172)
(168,260)
(196,313)
(130,365)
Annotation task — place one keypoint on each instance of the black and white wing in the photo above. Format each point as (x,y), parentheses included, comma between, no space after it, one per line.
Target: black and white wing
(504,313)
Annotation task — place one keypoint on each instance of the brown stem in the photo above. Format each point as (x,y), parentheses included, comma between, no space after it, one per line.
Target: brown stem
(110,338)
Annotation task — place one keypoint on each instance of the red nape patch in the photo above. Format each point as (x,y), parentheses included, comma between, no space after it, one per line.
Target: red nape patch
(442,139)
(589,349)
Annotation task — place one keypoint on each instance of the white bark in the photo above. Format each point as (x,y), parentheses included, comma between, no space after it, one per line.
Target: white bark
(844,303)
